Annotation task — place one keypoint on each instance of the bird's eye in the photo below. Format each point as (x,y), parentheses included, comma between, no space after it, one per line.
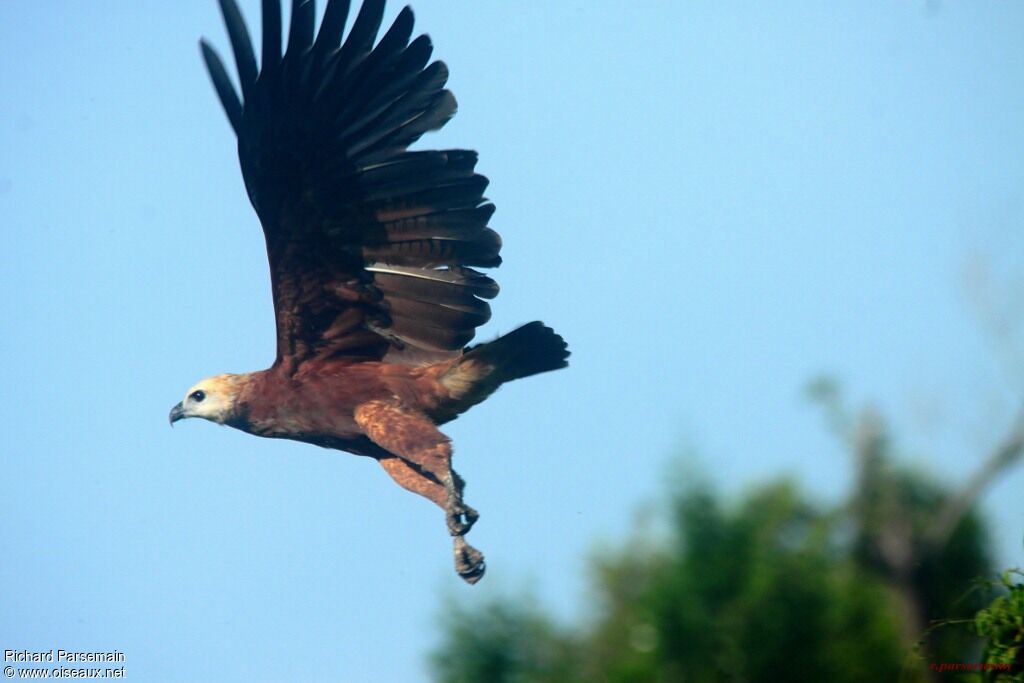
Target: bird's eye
(197,396)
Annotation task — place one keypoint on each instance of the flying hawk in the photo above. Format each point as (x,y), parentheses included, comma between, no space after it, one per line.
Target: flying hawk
(372,251)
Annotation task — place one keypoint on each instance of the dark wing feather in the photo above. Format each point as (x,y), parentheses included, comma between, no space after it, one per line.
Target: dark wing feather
(271,32)
(329,37)
(371,246)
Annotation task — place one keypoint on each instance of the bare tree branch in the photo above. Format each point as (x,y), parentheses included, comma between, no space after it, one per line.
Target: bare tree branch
(957,505)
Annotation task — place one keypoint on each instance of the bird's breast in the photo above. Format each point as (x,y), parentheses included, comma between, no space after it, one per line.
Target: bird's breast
(318,403)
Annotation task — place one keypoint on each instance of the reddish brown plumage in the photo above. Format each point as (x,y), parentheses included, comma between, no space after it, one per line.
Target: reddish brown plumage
(371,250)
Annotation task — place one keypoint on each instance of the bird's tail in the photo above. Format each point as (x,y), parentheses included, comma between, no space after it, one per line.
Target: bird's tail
(529,350)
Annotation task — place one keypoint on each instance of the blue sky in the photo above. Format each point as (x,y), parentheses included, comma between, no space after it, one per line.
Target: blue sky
(712,202)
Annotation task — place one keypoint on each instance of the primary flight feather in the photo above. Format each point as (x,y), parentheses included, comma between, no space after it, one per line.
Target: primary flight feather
(372,252)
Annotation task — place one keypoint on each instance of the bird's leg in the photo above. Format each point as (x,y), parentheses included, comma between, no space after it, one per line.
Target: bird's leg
(413,479)
(469,562)
(435,461)
(448,495)
(415,439)
(460,516)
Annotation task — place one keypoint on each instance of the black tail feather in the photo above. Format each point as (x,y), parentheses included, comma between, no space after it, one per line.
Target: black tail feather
(530,350)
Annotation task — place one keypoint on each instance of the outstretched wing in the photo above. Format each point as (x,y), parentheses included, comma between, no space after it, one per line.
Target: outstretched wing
(370,245)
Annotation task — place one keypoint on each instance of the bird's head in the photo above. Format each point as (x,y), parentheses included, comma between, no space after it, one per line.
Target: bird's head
(212,399)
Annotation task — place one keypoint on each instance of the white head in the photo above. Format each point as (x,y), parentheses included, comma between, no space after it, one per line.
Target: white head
(212,399)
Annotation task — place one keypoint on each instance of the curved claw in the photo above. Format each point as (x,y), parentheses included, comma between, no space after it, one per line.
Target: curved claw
(469,562)
(461,519)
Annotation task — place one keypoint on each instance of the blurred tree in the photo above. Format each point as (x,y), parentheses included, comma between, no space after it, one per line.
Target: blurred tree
(759,592)
(506,641)
(923,542)
(771,588)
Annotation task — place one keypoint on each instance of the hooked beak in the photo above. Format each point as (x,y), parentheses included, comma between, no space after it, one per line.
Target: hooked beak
(177,413)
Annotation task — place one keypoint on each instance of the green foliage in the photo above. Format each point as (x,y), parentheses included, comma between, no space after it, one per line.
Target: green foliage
(503,641)
(773,588)
(946,579)
(769,589)
(758,593)
(1002,625)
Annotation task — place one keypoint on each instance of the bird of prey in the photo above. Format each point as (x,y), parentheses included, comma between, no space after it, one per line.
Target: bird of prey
(372,252)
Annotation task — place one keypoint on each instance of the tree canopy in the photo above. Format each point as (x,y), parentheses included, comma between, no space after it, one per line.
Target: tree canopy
(768,587)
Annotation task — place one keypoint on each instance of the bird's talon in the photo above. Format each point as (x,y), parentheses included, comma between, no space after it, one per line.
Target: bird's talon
(469,562)
(462,520)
